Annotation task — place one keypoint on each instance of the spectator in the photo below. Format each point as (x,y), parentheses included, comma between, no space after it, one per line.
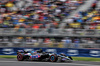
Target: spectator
(28,39)
(68,43)
(5,39)
(17,41)
(86,19)
(94,5)
(36,13)
(1,39)
(76,43)
(90,43)
(40,41)
(34,41)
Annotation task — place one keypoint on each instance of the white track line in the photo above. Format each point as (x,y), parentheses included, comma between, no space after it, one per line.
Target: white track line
(49,63)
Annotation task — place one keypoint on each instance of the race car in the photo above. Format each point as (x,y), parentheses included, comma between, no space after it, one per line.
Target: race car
(40,56)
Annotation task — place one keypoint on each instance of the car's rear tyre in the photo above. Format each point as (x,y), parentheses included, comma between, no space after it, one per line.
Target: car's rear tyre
(20,57)
(53,58)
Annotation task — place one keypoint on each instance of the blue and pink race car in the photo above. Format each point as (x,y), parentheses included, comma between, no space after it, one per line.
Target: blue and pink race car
(42,56)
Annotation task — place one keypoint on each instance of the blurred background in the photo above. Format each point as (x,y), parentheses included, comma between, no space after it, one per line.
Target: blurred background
(50,23)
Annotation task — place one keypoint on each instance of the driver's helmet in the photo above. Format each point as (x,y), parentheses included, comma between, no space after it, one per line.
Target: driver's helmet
(32,51)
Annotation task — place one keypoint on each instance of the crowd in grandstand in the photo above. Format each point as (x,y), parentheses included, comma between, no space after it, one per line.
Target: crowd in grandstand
(48,14)
(89,19)
(35,13)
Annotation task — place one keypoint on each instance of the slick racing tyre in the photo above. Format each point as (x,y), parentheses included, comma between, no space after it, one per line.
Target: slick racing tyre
(20,57)
(53,58)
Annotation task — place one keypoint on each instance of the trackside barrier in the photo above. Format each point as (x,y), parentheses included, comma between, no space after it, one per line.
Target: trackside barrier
(69,52)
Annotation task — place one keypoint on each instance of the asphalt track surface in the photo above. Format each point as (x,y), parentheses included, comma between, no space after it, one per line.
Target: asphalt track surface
(14,62)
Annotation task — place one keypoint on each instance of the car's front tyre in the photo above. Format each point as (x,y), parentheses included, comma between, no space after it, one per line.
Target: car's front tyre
(53,58)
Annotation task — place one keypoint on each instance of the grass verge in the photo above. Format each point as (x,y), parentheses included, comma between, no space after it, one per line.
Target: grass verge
(86,59)
(7,56)
(74,58)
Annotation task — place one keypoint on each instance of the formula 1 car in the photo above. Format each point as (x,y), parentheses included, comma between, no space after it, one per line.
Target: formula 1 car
(40,56)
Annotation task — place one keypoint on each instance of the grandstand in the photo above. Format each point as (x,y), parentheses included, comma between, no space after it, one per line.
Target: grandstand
(50,23)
